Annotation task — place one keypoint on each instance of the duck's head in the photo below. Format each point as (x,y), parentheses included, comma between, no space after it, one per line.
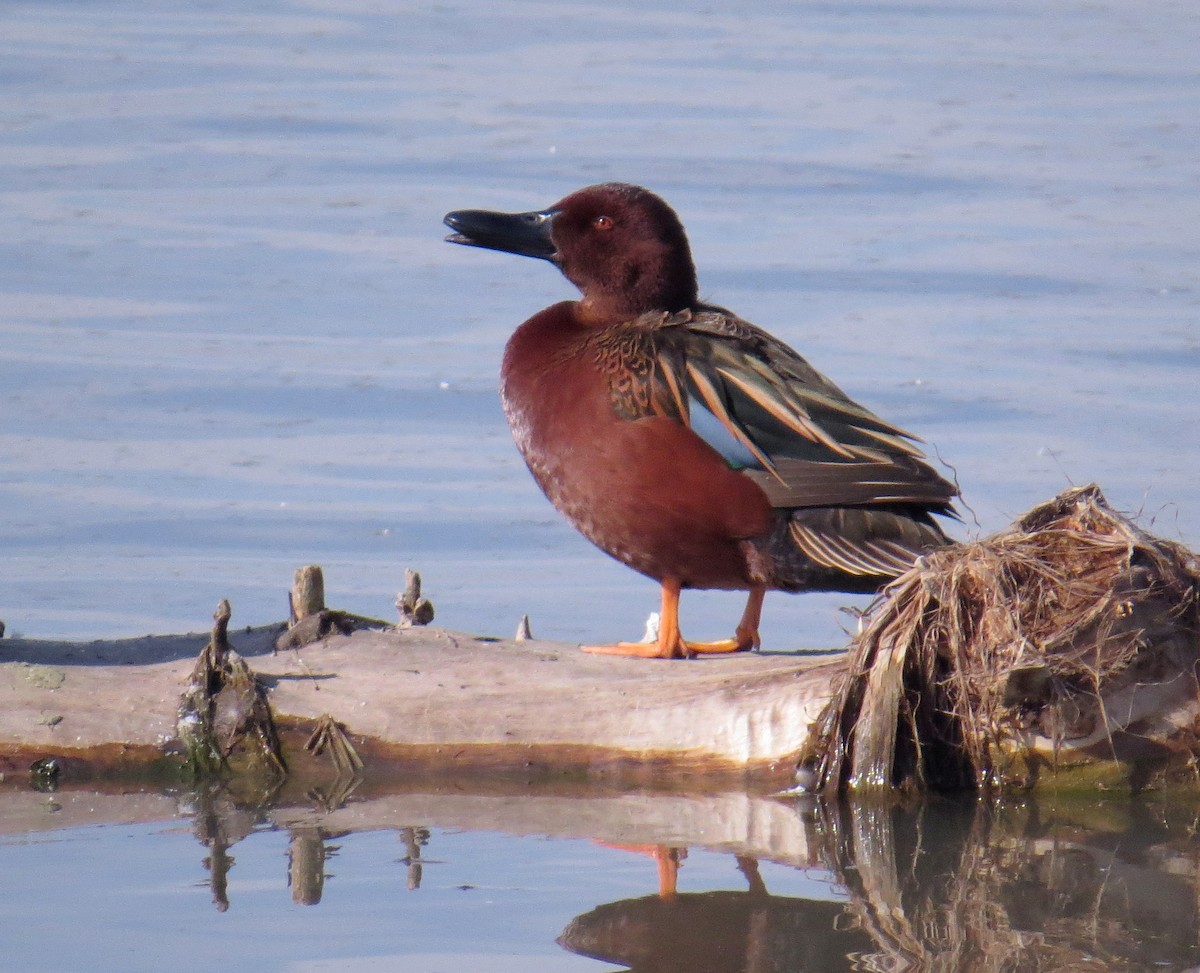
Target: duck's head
(621,245)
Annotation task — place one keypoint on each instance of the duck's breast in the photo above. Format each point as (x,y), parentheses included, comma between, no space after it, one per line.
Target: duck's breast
(646,490)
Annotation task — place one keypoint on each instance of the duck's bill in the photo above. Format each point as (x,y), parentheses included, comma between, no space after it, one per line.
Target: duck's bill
(526,234)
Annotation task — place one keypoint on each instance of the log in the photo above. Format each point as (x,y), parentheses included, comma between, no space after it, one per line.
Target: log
(422,698)
(1063,651)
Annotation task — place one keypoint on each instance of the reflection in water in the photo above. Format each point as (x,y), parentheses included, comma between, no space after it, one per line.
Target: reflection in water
(221,821)
(718,932)
(977,887)
(414,840)
(946,886)
(307,854)
(223,817)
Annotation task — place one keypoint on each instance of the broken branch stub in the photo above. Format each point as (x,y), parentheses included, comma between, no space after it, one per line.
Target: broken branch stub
(224,711)
(311,621)
(413,609)
(307,596)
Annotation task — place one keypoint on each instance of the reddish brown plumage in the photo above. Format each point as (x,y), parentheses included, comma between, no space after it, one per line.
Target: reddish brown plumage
(685,442)
(648,491)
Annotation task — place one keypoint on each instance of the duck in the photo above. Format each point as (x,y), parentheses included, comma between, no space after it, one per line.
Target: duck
(689,444)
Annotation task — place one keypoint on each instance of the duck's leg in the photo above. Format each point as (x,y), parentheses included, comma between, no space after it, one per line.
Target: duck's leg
(747,630)
(746,634)
(671,644)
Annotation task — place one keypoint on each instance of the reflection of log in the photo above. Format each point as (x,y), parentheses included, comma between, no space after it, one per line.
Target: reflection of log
(951,887)
(728,821)
(306,865)
(982,887)
(414,839)
(218,824)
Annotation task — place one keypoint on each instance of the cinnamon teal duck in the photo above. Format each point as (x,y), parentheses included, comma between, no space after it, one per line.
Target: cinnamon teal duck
(685,442)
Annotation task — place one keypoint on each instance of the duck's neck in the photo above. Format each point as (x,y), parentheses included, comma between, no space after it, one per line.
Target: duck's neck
(639,288)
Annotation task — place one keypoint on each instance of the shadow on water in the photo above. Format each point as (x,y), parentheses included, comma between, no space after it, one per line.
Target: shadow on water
(1087,883)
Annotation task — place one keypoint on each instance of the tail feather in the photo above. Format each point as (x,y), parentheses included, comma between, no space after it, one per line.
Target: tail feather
(851,548)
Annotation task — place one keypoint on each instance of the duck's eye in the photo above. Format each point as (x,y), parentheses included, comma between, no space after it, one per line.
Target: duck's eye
(603,223)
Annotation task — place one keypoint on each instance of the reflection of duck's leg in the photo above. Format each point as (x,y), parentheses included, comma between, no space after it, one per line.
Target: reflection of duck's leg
(749,867)
(668,860)
(668,869)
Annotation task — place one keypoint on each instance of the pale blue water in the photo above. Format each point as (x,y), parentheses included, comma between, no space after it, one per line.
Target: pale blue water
(146,887)
(141,895)
(232,341)
(1096,884)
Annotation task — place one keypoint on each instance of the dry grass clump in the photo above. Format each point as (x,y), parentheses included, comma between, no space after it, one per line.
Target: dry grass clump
(983,649)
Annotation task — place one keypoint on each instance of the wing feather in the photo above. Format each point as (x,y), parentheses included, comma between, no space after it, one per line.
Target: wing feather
(712,399)
(813,445)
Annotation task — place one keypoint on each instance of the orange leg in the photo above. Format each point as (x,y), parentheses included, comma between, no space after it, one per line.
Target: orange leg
(747,630)
(671,644)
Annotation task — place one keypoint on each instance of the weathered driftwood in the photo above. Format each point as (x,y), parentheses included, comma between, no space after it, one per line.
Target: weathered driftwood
(1070,641)
(421,699)
(225,709)
(307,596)
(413,609)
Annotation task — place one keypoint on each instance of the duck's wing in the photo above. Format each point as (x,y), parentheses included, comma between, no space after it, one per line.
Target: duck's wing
(774,416)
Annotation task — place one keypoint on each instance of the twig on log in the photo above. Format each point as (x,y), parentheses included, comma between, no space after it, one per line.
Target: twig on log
(331,735)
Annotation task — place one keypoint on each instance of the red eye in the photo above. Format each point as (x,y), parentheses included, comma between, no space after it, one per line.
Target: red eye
(603,223)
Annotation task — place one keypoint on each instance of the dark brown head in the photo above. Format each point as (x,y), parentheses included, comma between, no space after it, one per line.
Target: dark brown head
(621,245)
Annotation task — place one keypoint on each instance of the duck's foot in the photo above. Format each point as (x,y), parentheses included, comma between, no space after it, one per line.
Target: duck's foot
(670,644)
(716,648)
(676,649)
(638,650)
